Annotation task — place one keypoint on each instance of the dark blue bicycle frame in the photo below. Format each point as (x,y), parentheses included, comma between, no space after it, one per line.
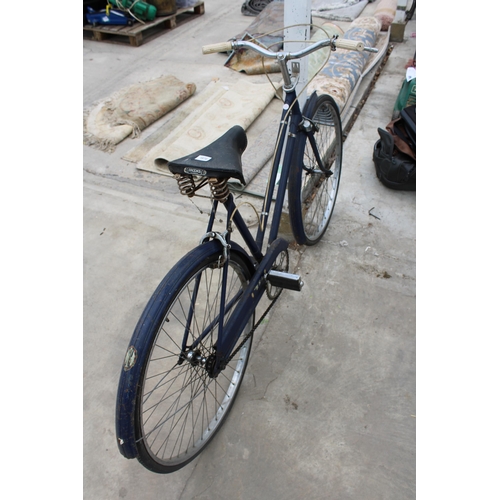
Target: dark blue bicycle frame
(229,333)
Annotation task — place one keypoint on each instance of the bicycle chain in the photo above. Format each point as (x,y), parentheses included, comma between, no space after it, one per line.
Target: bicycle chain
(251,332)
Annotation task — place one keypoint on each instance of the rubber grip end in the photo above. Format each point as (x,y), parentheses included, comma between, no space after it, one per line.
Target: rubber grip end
(217,47)
(342,43)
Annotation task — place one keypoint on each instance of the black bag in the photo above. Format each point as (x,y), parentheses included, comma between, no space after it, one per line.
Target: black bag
(409,119)
(394,154)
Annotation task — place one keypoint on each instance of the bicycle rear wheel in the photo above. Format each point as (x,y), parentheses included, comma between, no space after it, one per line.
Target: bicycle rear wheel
(312,192)
(176,407)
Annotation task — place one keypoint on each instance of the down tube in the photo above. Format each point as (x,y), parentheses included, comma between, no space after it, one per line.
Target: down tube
(280,141)
(248,303)
(296,117)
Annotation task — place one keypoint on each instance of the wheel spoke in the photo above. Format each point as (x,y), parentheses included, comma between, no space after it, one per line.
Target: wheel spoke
(180,406)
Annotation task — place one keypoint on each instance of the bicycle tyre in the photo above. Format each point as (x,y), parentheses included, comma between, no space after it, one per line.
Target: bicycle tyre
(311,193)
(411,11)
(174,409)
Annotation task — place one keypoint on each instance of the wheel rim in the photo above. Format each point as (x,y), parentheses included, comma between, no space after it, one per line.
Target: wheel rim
(181,407)
(318,192)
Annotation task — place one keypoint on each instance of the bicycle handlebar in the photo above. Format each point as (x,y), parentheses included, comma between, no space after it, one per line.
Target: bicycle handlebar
(340,43)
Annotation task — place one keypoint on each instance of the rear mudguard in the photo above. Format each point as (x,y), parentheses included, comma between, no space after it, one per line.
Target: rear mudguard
(136,356)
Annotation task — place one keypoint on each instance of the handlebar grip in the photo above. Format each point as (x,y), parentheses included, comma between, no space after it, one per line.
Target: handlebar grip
(217,47)
(342,43)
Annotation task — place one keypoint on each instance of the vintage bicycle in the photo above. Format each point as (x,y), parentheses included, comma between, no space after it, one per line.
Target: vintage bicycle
(188,354)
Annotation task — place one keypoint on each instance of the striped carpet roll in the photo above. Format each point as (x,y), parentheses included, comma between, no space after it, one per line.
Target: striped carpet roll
(342,71)
(385,13)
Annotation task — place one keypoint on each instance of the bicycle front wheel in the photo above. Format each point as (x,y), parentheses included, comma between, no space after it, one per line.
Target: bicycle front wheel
(177,406)
(312,191)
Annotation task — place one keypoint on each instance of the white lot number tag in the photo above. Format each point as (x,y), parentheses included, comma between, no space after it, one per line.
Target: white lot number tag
(203,158)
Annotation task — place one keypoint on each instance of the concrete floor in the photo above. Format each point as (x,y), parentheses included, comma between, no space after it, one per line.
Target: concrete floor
(327,406)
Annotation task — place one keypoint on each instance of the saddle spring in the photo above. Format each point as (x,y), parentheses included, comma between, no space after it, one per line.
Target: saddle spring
(188,187)
(219,189)
(186,184)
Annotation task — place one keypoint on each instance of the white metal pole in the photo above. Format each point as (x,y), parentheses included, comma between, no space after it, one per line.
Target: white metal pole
(400,11)
(298,12)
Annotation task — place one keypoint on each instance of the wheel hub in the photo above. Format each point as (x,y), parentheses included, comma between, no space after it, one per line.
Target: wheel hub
(195,358)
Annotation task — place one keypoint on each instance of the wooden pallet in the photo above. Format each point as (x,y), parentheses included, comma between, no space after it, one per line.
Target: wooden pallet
(139,33)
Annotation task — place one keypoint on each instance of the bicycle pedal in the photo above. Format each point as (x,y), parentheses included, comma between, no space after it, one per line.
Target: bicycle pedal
(285,280)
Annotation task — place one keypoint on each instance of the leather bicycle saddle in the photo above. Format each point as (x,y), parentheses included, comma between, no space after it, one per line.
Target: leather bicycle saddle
(220,159)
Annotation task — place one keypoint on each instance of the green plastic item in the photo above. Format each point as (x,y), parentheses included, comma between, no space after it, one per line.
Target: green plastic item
(141,10)
(407,95)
